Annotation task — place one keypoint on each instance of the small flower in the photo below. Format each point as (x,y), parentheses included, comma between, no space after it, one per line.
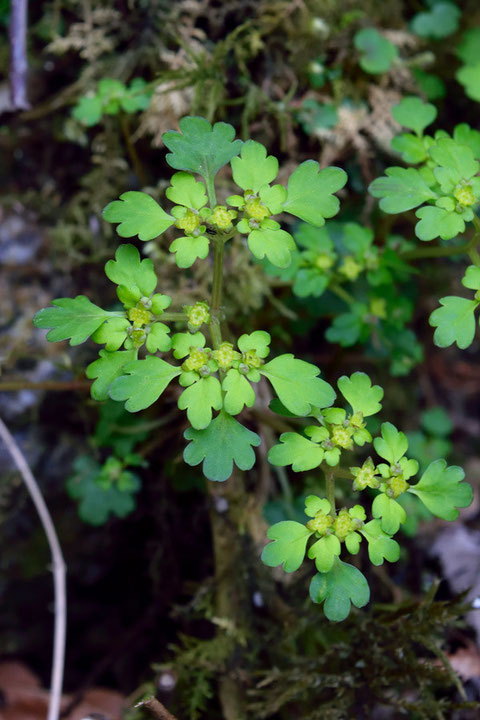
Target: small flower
(365,476)
(222,218)
(197,315)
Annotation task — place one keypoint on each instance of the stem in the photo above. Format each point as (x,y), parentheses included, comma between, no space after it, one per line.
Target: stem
(433,252)
(131,150)
(56,385)
(342,293)
(330,490)
(212,198)
(58,570)
(172,317)
(230,590)
(216,299)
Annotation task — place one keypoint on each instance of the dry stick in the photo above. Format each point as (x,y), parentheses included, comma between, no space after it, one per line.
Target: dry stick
(58,570)
(18,55)
(156,708)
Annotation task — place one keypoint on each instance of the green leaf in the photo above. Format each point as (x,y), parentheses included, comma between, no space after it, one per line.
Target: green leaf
(430,85)
(128,270)
(438,222)
(377,53)
(456,158)
(348,328)
(442,491)
(402,189)
(295,450)
(469,77)
(297,385)
(188,249)
(138,214)
(258,340)
(455,322)
(238,392)
(95,503)
(199,399)
(276,245)
(380,545)
(201,148)
(359,392)
(71,318)
(413,113)
(310,192)
(392,445)
(143,382)
(392,514)
(186,191)
(273,196)
(439,22)
(254,168)
(158,338)
(324,552)
(471,279)
(465,135)
(436,421)
(108,367)
(88,110)
(222,443)
(288,546)
(113,333)
(343,586)
(469,48)
(183,342)
(411,148)
(310,281)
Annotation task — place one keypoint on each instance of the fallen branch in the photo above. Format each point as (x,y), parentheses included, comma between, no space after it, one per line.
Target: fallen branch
(58,570)
(18,55)
(156,708)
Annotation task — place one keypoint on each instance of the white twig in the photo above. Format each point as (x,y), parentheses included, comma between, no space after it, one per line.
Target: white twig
(58,570)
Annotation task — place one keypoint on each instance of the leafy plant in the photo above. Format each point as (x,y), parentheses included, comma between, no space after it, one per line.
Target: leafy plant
(218,382)
(337,431)
(445,189)
(221,378)
(112,97)
(438,22)
(377,54)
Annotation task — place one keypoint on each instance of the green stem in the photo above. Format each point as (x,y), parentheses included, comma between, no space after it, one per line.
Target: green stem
(131,150)
(342,293)
(216,299)
(434,252)
(473,252)
(212,198)
(52,385)
(469,248)
(173,317)
(330,490)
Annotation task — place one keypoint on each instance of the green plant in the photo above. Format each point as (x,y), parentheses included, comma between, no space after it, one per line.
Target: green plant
(218,380)
(440,489)
(377,54)
(438,22)
(445,188)
(111,98)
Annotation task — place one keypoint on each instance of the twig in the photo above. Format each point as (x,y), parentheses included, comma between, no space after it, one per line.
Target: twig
(58,570)
(55,385)
(18,55)
(156,708)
